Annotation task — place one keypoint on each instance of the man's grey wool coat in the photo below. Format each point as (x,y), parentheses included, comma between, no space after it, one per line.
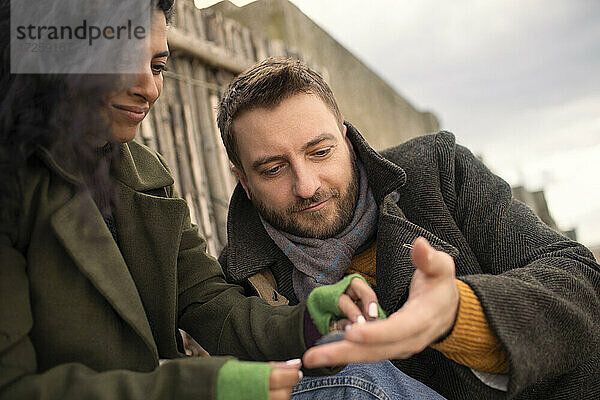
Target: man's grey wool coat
(539,290)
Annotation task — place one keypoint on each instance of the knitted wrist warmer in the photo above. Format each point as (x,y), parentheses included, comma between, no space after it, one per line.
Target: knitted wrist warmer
(243,380)
(322,303)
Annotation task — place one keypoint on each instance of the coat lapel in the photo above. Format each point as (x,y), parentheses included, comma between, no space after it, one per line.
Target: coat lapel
(395,232)
(393,253)
(252,247)
(149,229)
(149,225)
(81,230)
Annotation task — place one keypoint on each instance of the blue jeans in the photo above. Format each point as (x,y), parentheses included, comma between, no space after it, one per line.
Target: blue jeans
(365,381)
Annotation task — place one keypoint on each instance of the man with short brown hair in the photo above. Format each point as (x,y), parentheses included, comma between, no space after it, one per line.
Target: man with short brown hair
(484,300)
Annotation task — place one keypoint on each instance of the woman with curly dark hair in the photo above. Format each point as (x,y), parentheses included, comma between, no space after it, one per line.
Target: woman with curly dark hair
(99,262)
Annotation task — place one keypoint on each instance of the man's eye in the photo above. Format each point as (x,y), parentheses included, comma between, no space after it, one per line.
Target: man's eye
(322,152)
(158,68)
(272,171)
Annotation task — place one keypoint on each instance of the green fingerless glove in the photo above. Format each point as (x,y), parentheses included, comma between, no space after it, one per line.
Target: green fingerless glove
(243,380)
(322,303)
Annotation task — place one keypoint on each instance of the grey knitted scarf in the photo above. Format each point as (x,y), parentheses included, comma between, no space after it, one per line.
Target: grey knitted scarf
(323,261)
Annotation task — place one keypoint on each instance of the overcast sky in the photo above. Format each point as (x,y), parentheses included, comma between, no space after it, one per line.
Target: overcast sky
(516,81)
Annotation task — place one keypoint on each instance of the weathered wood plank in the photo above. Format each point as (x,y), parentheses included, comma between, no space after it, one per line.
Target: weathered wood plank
(206,51)
(164,131)
(202,195)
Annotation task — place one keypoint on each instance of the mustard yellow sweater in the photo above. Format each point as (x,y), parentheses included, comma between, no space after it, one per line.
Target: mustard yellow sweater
(471,342)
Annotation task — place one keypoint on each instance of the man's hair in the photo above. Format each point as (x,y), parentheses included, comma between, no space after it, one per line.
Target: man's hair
(265,85)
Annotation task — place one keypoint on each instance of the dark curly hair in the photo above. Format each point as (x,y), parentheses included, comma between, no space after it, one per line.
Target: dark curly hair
(166,6)
(56,111)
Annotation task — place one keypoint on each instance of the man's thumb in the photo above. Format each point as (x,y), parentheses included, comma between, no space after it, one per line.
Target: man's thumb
(425,257)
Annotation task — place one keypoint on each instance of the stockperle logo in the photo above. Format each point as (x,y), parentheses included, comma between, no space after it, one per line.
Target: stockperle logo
(79,36)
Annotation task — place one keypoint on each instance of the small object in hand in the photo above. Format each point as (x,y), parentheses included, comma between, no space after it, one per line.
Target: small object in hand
(330,338)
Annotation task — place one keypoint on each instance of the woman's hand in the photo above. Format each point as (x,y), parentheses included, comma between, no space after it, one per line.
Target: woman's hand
(358,302)
(283,378)
(351,297)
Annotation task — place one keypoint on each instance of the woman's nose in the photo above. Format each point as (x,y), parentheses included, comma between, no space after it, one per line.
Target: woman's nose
(145,86)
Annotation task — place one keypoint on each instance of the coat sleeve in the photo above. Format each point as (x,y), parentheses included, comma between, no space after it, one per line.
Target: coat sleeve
(225,321)
(539,290)
(20,378)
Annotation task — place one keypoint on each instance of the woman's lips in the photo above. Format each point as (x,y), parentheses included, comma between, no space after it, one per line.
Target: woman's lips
(316,207)
(134,113)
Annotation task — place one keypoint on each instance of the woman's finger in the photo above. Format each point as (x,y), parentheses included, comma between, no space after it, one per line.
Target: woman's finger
(280,394)
(363,294)
(295,363)
(339,325)
(284,378)
(350,309)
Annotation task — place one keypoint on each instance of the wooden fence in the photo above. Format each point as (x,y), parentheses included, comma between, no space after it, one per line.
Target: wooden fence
(207,51)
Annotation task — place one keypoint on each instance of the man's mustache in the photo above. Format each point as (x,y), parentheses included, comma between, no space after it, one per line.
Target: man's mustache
(318,197)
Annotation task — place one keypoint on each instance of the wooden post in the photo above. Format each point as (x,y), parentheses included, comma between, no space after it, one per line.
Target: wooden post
(207,52)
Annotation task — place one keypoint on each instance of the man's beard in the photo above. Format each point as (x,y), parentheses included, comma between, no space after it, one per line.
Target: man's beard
(313,224)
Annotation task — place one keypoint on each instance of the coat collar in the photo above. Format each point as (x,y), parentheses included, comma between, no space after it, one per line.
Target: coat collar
(250,248)
(383,175)
(147,172)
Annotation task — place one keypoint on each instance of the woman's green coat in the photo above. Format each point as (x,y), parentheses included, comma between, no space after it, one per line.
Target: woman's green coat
(82,318)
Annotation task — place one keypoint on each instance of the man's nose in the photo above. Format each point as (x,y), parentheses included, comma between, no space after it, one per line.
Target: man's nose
(306,183)
(145,86)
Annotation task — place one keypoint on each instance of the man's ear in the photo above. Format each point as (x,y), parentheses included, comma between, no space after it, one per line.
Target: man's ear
(347,140)
(242,177)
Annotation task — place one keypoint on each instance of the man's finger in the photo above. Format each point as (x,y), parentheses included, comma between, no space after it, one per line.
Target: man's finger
(350,309)
(345,352)
(429,260)
(359,290)
(284,378)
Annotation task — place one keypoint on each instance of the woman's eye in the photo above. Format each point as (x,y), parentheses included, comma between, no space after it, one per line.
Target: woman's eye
(158,68)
